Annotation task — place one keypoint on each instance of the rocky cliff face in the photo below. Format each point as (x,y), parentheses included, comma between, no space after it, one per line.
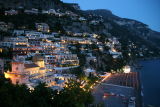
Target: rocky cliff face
(103,12)
(43,4)
(134,27)
(111,23)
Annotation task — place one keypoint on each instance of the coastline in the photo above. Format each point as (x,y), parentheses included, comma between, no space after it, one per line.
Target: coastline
(139,92)
(141,89)
(147,59)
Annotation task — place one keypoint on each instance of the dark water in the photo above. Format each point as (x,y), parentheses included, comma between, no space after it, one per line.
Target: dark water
(150,80)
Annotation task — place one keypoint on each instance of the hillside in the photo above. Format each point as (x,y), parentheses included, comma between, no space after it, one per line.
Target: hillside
(105,23)
(43,4)
(69,52)
(133,26)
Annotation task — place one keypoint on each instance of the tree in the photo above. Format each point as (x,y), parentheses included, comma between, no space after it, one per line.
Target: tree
(58,27)
(78,72)
(13,95)
(42,96)
(20,96)
(73,96)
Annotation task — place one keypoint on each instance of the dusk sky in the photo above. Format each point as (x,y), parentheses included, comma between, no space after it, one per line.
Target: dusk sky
(146,11)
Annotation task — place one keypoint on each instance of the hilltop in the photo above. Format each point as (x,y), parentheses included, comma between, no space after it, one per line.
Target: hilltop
(102,22)
(44,4)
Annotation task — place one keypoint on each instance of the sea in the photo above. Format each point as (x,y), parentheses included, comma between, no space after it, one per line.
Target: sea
(150,82)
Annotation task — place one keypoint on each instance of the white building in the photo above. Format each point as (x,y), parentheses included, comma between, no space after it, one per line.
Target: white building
(6,44)
(43,27)
(67,59)
(115,54)
(82,19)
(18,32)
(45,12)
(11,12)
(33,34)
(32,11)
(52,11)
(79,40)
(13,41)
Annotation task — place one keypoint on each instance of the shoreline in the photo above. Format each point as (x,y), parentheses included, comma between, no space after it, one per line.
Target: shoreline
(135,68)
(135,64)
(139,97)
(146,59)
(140,90)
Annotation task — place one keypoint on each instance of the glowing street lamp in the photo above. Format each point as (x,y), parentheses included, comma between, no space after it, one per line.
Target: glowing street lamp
(127,69)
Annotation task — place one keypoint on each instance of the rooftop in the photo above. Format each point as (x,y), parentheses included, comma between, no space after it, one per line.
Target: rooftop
(31,65)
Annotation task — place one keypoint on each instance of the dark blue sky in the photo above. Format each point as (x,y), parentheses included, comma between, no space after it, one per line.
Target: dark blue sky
(146,11)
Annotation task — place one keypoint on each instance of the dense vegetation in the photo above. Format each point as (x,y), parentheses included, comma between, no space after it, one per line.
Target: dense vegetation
(42,96)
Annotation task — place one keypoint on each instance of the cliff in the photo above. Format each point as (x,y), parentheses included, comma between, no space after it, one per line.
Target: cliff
(43,4)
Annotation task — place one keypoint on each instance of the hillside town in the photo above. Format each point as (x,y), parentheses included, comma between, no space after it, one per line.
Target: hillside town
(43,54)
(48,57)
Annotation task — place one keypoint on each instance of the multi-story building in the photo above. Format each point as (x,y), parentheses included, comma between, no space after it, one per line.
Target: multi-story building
(18,32)
(25,50)
(33,34)
(51,11)
(67,60)
(48,48)
(32,11)
(75,40)
(11,12)
(14,41)
(33,72)
(19,40)
(50,59)
(43,27)
(6,44)
(35,42)
(61,60)
(22,72)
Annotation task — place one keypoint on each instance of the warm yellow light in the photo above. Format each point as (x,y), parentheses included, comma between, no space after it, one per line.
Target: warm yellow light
(114,50)
(127,69)
(1,50)
(6,75)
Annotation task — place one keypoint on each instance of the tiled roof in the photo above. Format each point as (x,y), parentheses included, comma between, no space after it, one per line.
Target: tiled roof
(17,63)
